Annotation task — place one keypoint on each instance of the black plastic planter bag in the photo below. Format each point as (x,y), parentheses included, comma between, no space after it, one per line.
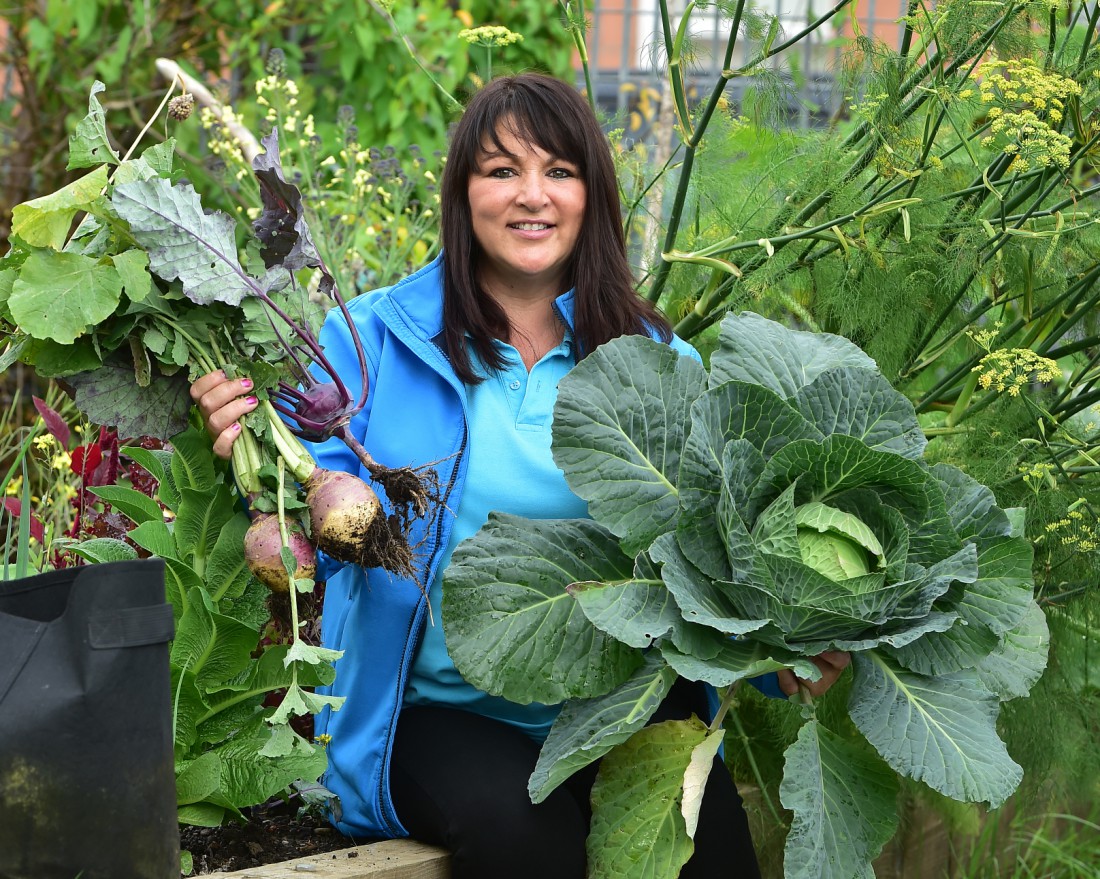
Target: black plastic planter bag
(87,787)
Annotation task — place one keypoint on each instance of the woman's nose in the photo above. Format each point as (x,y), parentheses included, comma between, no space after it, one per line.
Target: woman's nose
(532,191)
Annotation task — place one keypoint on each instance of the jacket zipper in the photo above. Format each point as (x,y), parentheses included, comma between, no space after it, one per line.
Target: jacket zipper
(413,639)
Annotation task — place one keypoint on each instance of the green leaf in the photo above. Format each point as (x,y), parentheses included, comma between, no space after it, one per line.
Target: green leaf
(638,826)
(844,805)
(1002,594)
(716,547)
(133,267)
(700,599)
(734,428)
(300,703)
(736,661)
(155,537)
(587,729)
(45,221)
(1016,665)
(619,425)
(762,352)
(197,779)
(300,651)
(210,646)
(201,815)
(110,396)
(635,612)
(153,460)
(808,606)
(103,549)
(227,574)
(942,731)
(199,522)
(249,778)
(971,507)
(90,145)
(183,241)
(139,507)
(53,360)
(776,528)
(862,404)
(180,580)
(193,460)
(511,627)
(840,463)
(60,296)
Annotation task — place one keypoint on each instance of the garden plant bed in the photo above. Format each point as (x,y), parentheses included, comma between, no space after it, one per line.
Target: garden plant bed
(277,843)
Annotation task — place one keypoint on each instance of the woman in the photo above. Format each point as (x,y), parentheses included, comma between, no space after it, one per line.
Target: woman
(465,356)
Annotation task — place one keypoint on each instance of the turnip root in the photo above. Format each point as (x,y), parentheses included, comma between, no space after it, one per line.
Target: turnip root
(262,545)
(347,522)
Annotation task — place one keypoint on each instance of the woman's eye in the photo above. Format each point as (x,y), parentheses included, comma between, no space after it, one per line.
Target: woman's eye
(500,173)
(562,174)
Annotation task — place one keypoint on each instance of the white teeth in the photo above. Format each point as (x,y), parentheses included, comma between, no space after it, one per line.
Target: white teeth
(531,227)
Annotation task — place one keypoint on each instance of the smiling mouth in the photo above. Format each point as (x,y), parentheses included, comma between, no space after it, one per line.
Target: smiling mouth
(529,227)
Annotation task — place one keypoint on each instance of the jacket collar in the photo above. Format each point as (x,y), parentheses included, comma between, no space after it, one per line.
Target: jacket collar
(415,303)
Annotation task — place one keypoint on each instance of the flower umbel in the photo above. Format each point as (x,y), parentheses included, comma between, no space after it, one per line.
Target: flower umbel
(1009,369)
(490,36)
(1024,101)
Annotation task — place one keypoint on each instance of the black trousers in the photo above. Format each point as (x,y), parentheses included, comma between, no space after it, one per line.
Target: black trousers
(459,780)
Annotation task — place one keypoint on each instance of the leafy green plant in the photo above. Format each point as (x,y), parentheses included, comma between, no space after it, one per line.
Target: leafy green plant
(149,293)
(774,508)
(233,749)
(943,219)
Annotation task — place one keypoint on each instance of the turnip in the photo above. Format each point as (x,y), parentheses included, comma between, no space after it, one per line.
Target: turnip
(346,518)
(262,546)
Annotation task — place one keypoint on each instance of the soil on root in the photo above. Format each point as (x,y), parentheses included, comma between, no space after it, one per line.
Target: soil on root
(275,832)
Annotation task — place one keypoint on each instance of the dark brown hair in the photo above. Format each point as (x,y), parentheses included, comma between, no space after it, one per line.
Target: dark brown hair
(546,112)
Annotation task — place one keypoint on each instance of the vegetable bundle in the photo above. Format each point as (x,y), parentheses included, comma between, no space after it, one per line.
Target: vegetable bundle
(149,293)
(743,521)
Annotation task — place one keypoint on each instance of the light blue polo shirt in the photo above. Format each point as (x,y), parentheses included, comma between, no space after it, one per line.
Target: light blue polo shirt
(511,470)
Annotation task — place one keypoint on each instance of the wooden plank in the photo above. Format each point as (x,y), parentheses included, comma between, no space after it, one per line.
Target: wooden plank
(390,859)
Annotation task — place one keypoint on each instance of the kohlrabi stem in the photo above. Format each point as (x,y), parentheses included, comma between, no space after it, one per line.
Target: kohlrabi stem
(298,461)
(284,538)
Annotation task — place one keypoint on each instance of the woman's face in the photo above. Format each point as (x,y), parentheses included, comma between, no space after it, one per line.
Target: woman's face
(527,208)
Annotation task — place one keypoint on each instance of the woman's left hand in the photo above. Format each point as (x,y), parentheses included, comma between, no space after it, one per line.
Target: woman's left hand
(831,663)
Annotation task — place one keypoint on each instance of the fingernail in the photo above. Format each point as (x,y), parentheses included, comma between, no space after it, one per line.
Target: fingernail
(251,401)
(236,427)
(246,383)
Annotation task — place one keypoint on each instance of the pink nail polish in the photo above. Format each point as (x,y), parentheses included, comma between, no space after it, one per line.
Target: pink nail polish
(251,401)
(246,383)
(236,427)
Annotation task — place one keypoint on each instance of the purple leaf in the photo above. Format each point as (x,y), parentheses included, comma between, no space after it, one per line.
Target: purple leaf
(55,424)
(282,230)
(15,508)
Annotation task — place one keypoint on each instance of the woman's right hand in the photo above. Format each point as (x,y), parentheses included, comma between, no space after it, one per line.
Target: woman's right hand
(222,403)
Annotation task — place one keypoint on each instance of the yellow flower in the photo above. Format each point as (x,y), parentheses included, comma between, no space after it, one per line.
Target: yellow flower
(490,36)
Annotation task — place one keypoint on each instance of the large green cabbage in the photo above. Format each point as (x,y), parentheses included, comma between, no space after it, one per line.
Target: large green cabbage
(745,521)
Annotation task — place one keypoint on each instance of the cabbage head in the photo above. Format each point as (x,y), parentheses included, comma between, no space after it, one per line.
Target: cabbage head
(743,520)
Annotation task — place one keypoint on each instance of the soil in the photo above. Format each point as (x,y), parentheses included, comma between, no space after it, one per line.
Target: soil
(275,832)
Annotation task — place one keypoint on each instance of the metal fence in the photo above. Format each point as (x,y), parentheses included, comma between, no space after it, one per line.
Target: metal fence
(626,50)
